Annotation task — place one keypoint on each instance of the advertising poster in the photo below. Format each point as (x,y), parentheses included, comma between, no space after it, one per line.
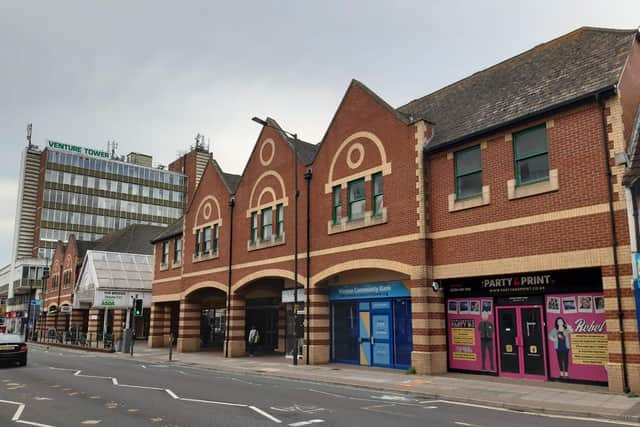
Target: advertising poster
(471,334)
(577,336)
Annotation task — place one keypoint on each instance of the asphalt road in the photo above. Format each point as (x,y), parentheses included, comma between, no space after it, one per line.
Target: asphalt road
(61,388)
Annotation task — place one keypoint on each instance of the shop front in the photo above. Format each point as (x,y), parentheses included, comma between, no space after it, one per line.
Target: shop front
(371,324)
(543,325)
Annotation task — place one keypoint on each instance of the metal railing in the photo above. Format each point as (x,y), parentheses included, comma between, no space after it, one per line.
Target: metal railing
(74,337)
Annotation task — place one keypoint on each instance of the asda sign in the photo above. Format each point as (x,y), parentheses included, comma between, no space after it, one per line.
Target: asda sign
(78,149)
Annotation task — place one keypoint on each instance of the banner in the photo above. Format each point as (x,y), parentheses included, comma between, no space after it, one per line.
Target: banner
(471,334)
(577,336)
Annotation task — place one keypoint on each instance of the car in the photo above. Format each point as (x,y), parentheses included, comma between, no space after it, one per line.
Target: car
(13,348)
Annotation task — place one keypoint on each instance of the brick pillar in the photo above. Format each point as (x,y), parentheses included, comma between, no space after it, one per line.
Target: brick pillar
(318,343)
(95,325)
(166,329)
(282,328)
(156,326)
(77,318)
(189,330)
(429,355)
(236,340)
(119,317)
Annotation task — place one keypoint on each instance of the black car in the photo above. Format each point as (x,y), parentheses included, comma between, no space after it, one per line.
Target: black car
(13,349)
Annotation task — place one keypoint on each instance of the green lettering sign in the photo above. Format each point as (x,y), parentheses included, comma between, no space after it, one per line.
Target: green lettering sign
(77,149)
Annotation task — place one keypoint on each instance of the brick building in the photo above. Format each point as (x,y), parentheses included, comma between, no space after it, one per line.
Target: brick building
(482,227)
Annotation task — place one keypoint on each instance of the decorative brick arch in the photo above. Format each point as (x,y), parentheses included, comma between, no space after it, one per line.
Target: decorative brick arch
(263,274)
(413,272)
(253,205)
(202,285)
(217,218)
(384,167)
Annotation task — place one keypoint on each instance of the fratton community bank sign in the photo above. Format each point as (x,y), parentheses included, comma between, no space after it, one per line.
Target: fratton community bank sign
(78,149)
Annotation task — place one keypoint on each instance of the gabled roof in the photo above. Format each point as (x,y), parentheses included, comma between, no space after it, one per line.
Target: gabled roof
(82,246)
(135,239)
(232,180)
(570,68)
(306,151)
(172,230)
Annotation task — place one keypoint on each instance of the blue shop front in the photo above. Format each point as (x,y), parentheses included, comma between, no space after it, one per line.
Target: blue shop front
(371,324)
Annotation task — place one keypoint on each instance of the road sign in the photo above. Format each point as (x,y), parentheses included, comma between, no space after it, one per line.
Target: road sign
(65,309)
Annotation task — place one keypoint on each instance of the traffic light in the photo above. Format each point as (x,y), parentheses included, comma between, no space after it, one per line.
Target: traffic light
(138,308)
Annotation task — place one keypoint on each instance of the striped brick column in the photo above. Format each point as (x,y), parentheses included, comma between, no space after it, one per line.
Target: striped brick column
(156,326)
(119,318)
(282,329)
(317,345)
(632,347)
(429,355)
(166,326)
(236,340)
(189,330)
(94,326)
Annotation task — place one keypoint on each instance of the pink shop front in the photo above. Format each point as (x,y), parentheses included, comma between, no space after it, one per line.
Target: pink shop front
(541,326)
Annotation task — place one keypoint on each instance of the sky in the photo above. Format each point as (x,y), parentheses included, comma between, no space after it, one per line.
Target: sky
(153,74)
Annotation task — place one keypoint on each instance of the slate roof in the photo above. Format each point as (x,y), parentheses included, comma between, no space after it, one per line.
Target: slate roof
(232,180)
(306,150)
(135,239)
(567,69)
(83,246)
(172,230)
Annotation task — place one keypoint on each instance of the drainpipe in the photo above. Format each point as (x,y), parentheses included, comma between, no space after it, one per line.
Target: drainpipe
(614,244)
(232,204)
(307,177)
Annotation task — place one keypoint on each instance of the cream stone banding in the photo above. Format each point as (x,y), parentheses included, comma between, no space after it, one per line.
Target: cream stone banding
(263,192)
(252,204)
(265,143)
(357,147)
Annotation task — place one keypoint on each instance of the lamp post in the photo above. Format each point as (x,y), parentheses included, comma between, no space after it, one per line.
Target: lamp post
(295,230)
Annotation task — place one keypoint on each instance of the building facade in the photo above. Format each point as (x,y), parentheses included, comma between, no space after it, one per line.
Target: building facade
(68,189)
(481,228)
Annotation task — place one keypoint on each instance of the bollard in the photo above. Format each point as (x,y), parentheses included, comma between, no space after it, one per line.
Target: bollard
(170,347)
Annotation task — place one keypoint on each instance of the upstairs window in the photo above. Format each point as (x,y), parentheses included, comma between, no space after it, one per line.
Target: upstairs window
(378,201)
(357,200)
(337,204)
(254,226)
(197,243)
(165,252)
(66,280)
(531,155)
(468,171)
(216,238)
(177,250)
(267,224)
(279,220)
(206,240)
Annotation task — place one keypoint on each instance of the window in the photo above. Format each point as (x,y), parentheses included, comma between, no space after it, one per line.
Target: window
(267,224)
(66,280)
(378,201)
(356,199)
(279,220)
(254,226)
(197,243)
(206,240)
(531,155)
(177,250)
(337,204)
(165,252)
(468,172)
(216,238)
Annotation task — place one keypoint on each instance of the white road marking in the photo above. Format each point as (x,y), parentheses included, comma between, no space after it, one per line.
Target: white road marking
(170,393)
(304,423)
(141,386)
(213,402)
(143,367)
(460,423)
(265,414)
(392,397)
(244,381)
(41,398)
(18,414)
(91,422)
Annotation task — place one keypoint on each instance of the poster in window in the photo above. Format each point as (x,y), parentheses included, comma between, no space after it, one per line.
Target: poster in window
(453,307)
(569,305)
(585,304)
(598,302)
(471,335)
(553,305)
(474,307)
(463,306)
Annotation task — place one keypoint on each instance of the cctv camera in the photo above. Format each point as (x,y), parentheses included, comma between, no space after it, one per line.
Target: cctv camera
(435,286)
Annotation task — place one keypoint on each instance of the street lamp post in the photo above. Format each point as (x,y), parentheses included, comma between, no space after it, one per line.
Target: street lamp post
(295,230)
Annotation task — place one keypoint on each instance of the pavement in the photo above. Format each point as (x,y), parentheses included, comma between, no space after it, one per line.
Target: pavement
(556,398)
(62,387)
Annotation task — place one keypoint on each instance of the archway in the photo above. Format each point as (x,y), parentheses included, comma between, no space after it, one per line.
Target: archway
(204,312)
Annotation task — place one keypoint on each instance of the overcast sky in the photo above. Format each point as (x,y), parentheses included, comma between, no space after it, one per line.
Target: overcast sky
(153,74)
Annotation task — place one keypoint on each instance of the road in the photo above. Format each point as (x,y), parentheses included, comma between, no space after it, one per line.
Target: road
(61,388)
